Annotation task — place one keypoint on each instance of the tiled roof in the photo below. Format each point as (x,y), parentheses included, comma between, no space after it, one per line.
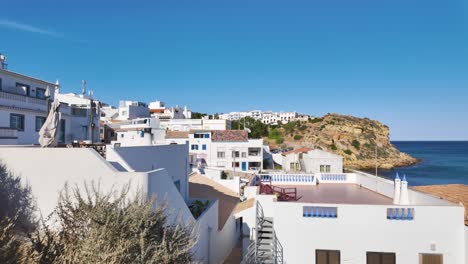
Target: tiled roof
(157,111)
(230,136)
(177,134)
(299,150)
(452,192)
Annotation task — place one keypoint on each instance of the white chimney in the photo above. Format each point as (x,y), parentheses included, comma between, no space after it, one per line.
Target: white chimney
(3,64)
(404,199)
(396,192)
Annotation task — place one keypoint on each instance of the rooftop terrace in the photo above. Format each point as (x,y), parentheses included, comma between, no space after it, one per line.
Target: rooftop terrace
(339,193)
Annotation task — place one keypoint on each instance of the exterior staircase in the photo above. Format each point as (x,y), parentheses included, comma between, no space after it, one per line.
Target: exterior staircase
(265,248)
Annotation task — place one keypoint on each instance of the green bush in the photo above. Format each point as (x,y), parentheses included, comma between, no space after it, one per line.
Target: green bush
(349,152)
(356,144)
(274,134)
(297,137)
(315,120)
(289,127)
(279,140)
(303,127)
(333,147)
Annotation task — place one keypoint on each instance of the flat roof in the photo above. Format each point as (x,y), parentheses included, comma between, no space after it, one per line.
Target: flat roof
(339,193)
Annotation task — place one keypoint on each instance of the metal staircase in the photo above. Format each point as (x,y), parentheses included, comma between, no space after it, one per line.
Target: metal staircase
(265,248)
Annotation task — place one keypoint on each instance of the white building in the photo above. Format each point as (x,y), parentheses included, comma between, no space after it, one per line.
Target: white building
(195,124)
(349,218)
(139,132)
(132,109)
(85,116)
(227,149)
(312,161)
(24,104)
(159,109)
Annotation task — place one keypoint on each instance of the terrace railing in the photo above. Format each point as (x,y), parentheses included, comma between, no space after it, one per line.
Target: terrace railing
(333,177)
(288,178)
(400,213)
(320,212)
(6,132)
(22,98)
(283,194)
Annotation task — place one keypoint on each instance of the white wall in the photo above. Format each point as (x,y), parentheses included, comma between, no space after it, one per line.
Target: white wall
(215,175)
(173,158)
(361,228)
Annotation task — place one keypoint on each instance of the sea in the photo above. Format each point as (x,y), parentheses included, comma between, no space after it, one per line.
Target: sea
(442,162)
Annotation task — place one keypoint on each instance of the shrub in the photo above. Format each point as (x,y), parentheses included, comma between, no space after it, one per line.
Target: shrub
(289,127)
(315,120)
(274,134)
(349,152)
(356,144)
(279,140)
(303,127)
(333,147)
(224,175)
(110,228)
(297,137)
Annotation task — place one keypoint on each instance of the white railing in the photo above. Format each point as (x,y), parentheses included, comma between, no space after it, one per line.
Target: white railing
(308,179)
(334,177)
(22,98)
(6,132)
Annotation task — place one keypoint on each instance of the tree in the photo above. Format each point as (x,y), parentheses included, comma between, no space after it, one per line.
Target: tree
(256,127)
(16,216)
(110,228)
(197,115)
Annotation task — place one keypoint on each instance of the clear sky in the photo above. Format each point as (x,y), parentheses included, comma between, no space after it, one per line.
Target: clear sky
(403,62)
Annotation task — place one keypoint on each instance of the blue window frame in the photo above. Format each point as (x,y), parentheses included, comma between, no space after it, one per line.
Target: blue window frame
(203,147)
(194,147)
(207,135)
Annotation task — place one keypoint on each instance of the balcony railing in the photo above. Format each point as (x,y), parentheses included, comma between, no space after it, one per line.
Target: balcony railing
(288,178)
(333,177)
(22,98)
(6,132)
(320,211)
(400,213)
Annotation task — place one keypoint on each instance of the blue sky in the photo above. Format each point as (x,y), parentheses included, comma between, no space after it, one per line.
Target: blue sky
(402,62)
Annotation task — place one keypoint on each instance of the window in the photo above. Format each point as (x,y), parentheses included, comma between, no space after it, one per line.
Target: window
(207,135)
(40,120)
(235,154)
(61,132)
(430,258)
(76,111)
(221,155)
(380,258)
(194,147)
(201,135)
(292,166)
(17,121)
(124,113)
(203,147)
(25,88)
(325,168)
(235,164)
(244,154)
(327,256)
(40,93)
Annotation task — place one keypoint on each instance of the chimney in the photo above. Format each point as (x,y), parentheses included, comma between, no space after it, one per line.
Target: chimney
(396,192)
(404,199)
(3,64)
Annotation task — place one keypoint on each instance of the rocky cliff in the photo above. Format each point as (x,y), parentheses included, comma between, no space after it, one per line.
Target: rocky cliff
(358,140)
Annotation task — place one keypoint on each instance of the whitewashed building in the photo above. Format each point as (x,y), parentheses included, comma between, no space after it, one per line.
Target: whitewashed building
(227,149)
(312,161)
(195,124)
(24,105)
(159,109)
(85,116)
(348,218)
(139,132)
(132,109)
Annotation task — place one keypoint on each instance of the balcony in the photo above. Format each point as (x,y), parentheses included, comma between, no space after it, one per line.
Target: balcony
(22,101)
(7,133)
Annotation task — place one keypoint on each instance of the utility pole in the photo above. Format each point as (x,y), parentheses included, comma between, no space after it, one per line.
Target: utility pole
(376,163)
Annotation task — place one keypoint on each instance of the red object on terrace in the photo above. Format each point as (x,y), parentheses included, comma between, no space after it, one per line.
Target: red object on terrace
(283,194)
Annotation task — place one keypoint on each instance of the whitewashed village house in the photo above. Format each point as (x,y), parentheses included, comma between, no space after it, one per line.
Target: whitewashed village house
(312,161)
(225,149)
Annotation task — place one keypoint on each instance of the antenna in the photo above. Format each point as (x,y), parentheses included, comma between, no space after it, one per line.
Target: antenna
(83,87)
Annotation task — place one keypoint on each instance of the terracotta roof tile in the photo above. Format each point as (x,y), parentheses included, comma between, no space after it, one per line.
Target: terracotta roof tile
(177,134)
(229,136)
(299,150)
(452,192)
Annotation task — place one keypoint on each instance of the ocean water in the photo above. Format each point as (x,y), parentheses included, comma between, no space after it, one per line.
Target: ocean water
(443,162)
